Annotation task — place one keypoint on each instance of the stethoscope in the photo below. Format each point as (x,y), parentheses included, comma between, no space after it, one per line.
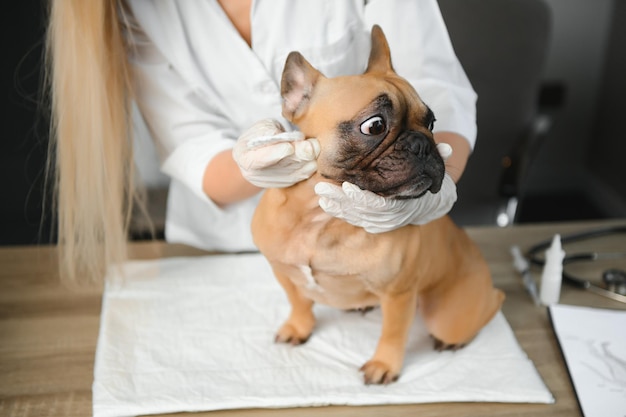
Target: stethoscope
(614,280)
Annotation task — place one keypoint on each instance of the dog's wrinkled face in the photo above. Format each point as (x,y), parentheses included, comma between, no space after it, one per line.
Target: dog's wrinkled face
(374,130)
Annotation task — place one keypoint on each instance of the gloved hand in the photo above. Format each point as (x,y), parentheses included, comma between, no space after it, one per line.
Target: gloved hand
(377,214)
(269,157)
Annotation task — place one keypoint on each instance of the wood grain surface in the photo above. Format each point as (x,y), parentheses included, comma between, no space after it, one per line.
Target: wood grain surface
(48,332)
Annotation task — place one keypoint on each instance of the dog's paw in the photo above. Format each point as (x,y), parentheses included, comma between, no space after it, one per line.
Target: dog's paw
(289,334)
(440,345)
(377,372)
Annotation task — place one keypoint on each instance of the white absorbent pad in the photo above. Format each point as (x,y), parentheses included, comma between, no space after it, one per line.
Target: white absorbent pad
(197,334)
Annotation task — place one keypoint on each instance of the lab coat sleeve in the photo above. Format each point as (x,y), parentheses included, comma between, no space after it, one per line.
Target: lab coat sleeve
(421,52)
(187,129)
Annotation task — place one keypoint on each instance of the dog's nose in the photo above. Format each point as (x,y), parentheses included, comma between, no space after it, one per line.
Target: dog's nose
(415,143)
(425,155)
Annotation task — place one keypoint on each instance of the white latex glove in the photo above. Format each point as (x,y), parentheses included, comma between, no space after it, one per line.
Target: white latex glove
(269,157)
(377,214)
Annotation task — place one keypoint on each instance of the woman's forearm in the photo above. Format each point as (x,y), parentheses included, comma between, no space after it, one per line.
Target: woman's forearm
(455,164)
(223,182)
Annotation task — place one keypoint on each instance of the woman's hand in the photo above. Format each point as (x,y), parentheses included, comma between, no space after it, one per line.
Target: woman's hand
(269,157)
(377,214)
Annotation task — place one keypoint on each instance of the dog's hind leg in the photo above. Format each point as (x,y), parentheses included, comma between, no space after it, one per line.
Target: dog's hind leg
(398,313)
(299,326)
(454,315)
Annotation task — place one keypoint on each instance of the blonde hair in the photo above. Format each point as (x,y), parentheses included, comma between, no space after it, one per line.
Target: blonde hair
(91,143)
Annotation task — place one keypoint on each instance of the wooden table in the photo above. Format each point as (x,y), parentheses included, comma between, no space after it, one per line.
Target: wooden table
(48,333)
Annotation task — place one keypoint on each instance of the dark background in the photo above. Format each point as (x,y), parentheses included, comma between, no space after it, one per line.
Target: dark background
(579,171)
(24,127)
(578,174)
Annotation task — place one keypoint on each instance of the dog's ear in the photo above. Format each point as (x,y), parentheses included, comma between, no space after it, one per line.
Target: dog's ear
(297,84)
(380,55)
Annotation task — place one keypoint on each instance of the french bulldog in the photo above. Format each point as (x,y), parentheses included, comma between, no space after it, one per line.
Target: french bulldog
(374,131)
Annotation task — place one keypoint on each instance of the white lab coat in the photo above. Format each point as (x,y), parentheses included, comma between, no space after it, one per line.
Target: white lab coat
(199,85)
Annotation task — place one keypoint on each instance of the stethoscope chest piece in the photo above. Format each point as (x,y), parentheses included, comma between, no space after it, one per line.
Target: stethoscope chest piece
(615,280)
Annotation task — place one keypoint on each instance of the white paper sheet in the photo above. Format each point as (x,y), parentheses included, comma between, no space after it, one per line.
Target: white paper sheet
(593,342)
(196,334)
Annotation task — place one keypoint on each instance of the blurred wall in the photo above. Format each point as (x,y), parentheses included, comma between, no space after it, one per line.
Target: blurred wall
(578,58)
(606,149)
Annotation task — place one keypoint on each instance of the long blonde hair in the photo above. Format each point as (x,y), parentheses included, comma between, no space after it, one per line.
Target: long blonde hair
(91,143)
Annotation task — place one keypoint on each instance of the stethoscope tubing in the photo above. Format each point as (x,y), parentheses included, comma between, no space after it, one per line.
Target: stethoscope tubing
(570,279)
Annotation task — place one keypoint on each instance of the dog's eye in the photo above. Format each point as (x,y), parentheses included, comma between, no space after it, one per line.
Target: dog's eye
(431,126)
(373,126)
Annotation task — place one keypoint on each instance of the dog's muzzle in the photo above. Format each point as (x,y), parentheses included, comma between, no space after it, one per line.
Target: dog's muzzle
(412,167)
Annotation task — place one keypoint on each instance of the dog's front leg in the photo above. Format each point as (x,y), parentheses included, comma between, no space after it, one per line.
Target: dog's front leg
(299,326)
(398,312)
